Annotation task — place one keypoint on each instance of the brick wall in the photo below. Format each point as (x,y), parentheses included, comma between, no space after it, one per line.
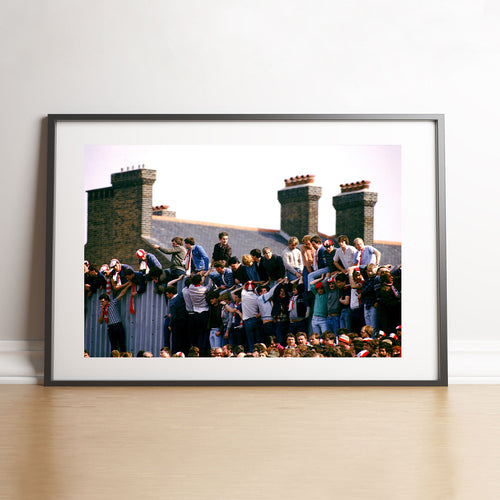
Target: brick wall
(354,214)
(118,217)
(299,207)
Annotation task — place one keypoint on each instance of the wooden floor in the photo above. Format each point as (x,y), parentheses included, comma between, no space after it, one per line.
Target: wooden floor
(246,443)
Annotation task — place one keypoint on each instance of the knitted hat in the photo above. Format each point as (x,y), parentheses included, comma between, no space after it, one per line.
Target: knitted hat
(328,243)
(362,354)
(344,338)
(249,285)
(140,254)
(318,285)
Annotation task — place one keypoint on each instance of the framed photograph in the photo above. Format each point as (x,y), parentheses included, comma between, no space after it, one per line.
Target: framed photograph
(246,250)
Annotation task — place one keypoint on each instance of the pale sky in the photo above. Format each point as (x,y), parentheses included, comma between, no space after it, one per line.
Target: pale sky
(238,185)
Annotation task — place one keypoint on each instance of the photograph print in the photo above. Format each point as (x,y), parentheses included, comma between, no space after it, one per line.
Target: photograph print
(257,251)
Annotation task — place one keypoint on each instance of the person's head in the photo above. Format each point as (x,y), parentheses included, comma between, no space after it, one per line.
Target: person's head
(115,353)
(213,298)
(357,276)
(256,254)
(343,241)
(141,254)
(129,275)
(177,241)
(227,350)
(359,244)
(223,237)
(315,241)
(293,242)
(272,341)
(247,260)
(301,338)
(86,354)
(93,269)
(115,265)
(382,351)
(290,340)
(140,354)
(189,243)
(314,339)
(366,331)
(86,266)
(329,338)
(328,244)
(196,280)
(104,299)
(371,270)
(340,280)
(147,354)
(249,286)
(344,339)
(396,351)
(234,263)
(238,350)
(266,251)
(194,352)
(319,288)
(165,352)
(386,279)
(170,291)
(219,266)
(218,352)
(262,289)
(105,270)
(127,354)
(306,240)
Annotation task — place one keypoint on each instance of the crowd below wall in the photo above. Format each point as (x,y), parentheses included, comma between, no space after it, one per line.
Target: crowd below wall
(320,299)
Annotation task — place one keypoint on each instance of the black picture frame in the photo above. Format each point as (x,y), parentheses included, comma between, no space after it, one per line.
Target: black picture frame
(435,122)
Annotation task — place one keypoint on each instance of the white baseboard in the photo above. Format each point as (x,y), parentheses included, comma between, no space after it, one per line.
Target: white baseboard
(21,362)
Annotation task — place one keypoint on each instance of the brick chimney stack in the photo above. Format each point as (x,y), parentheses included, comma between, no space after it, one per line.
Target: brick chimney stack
(299,206)
(118,216)
(354,211)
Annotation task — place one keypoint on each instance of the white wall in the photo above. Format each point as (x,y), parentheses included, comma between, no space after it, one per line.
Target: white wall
(234,56)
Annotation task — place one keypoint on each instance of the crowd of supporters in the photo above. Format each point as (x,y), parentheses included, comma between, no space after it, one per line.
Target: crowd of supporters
(320,299)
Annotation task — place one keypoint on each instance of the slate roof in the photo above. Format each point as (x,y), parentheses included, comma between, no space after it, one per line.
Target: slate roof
(206,234)
(241,239)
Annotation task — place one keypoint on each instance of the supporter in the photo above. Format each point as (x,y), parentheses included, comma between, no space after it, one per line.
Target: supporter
(357,312)
(235,333)
(198,330)
(240,275)
(368,293)
(256,255)
(165,352)
(222,277)
(215,324)
(297,309)
(149,265)
(117,274)
(320,309)
(273,266)
(177,268)
(265,304)
(281,315)
(196,260)
(250,311)
(365,254)
(388,304)
(178,323)
(307,251)
(319,263)
(222,251)
(344,256)
(251,268)
(292,259)
(110,314)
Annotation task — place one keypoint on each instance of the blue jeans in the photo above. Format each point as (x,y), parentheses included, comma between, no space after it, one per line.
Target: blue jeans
(215,340)
(315,274)
(371,317)
(252,329)
(333,323)
(291,276)
(319,325)
(345,318)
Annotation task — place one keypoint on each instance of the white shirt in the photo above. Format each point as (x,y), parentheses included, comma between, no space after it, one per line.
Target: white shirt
(249,305)
(292,259)
(347,258)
